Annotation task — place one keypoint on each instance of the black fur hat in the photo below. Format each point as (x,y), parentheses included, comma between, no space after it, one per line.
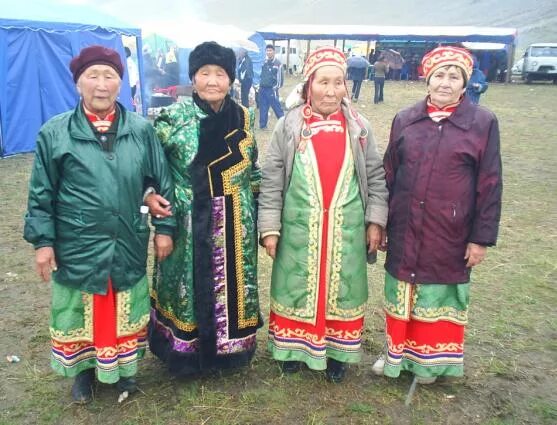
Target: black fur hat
(212,53)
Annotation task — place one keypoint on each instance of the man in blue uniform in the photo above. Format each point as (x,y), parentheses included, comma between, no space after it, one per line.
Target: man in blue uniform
(270,82)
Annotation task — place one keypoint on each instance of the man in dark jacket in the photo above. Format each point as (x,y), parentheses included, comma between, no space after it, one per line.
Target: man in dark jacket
(245,76)
(270,82)
(357,71)
(477,84)
(85,222)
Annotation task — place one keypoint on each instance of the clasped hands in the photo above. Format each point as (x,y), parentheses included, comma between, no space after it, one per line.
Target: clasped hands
(159,207)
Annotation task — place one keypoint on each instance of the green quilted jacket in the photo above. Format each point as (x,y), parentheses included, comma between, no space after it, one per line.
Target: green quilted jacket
(84,199)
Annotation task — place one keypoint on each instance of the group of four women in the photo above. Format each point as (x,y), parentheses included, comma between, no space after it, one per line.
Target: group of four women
(322,205)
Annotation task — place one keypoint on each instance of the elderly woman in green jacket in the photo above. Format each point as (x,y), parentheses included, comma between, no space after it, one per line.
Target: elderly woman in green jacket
(84,221)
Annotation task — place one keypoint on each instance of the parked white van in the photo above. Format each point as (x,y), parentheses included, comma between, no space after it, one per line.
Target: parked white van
(540,62)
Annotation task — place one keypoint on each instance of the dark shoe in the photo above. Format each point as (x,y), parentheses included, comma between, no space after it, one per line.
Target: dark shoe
(82,388)
(290,367)
(127,384)
(335,371)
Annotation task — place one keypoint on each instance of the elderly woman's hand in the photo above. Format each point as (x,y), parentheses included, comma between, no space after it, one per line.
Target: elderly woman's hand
(270,243)
(163,246)
(158,206)
(375,237)
(45,262)
(475,254)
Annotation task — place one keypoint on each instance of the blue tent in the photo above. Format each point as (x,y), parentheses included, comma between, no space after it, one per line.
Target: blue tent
(257,58)
(35,81)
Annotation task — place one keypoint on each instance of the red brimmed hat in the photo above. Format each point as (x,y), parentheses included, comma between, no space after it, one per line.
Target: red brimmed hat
(322,57)
(447,56)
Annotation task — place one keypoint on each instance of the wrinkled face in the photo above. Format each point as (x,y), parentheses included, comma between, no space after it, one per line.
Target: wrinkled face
(211,82)
(446,85)
(99,86)
(270,53)
(327,90)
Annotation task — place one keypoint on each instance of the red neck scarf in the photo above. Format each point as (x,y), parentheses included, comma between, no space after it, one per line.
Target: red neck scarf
(437,114)
(101,125)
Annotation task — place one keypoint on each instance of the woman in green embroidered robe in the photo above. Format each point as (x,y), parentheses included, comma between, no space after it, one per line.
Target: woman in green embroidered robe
(323,197)
(205,309)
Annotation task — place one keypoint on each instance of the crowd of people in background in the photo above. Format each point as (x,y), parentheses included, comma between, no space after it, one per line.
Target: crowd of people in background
(389,64)
(162,74)
(405,62)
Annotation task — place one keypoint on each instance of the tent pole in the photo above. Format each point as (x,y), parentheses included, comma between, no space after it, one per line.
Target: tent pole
(510,61)
(367,48)
(141,69)
(288,57)
(308,49)
(343,43)
(335,42)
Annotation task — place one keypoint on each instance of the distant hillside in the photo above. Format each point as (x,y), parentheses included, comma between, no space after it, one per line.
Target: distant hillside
(536,20)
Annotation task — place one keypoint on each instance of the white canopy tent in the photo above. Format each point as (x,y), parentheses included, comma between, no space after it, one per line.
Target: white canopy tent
(390,33)
(189,34)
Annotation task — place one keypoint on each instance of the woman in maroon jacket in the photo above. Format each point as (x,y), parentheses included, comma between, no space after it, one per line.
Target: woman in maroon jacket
(443,171)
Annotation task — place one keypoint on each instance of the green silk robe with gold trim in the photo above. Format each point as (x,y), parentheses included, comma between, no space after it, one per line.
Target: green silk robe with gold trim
(297,263)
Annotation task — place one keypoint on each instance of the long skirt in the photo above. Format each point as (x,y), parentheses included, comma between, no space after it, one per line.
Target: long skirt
(105,332)
(313,344)
(290,340)
(425,328)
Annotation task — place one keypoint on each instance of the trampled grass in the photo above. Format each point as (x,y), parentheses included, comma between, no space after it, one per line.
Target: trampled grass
(511,354)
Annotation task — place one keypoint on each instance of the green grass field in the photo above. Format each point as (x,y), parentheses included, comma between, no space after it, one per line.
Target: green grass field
(511,348)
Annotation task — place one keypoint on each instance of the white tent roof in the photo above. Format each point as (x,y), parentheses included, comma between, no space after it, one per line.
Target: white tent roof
(399,33)
(483,46)
(192,33)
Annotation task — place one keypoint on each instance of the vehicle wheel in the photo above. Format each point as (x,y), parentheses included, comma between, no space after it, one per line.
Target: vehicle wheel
(529,79)
(555,81)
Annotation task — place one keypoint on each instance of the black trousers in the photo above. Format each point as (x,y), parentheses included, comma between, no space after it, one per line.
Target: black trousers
(379,84)
(244,92)
(356,86)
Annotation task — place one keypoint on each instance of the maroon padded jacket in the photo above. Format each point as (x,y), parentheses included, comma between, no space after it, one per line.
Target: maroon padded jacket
(445,187)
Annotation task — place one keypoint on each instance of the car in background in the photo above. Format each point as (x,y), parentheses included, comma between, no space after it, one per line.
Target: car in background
(540,62)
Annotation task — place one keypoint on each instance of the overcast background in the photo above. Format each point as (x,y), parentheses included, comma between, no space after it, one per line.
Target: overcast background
(536,20)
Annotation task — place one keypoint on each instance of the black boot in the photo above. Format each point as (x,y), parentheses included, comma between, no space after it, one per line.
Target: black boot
(335,371)
(127,384)
(82,388)
(290,367)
